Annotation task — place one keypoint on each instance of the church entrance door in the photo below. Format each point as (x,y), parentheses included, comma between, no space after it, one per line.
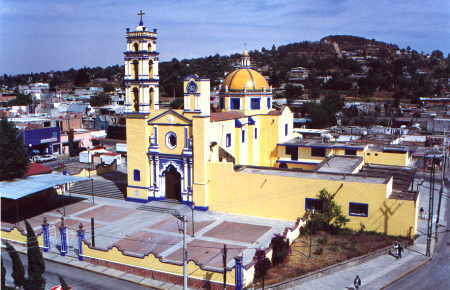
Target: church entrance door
(173,183)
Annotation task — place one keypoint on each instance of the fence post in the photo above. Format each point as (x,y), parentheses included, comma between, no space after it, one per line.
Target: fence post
(46,235)
(80,234)
(238,273)
(63,237)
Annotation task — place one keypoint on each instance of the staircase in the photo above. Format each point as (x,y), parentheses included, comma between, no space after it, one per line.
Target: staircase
(102,188)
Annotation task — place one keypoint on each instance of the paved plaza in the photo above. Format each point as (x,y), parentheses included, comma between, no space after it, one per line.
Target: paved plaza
(139,230)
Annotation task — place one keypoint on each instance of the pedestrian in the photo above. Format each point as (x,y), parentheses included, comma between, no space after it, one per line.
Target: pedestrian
(399,250)
(421,212)
(357,282)
(396,249)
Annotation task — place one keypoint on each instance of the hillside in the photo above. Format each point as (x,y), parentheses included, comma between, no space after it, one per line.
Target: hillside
(352,65)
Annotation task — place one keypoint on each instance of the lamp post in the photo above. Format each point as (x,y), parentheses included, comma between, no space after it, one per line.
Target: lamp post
(192,209)
(185,276)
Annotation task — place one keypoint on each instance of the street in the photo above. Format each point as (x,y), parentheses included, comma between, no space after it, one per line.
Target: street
(75,277)
(436,274)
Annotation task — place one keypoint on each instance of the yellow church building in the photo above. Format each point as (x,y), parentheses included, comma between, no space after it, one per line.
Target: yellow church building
(239,160)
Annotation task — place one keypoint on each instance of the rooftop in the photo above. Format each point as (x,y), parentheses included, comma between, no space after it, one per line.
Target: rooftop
(340,164)
(313,174)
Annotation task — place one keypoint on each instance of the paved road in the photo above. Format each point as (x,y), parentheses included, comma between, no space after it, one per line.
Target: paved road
(77,278)
(436,274)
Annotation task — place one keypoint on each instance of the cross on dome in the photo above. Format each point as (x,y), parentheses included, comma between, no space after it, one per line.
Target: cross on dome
(141,13)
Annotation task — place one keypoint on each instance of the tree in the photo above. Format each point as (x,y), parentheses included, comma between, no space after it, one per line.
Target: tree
(18,273)
(36,265)
(13,156)
(329,216)
(81,77)
(178,103)
(108,88)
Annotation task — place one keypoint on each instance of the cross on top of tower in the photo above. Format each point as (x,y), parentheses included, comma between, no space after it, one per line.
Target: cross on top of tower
(141,13)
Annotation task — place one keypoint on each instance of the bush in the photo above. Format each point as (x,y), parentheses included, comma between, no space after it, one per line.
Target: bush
(318,251)
(280,247)
(322,241)
(333,248)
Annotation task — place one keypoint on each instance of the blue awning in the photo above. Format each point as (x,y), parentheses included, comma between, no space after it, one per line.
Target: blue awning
(19,188)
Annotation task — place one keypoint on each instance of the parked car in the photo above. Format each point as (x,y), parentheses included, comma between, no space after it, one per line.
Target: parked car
(44,158)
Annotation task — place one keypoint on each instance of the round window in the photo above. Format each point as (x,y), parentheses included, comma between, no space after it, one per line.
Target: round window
(171,140)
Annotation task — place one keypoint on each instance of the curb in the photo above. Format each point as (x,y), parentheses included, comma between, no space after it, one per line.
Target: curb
(91,270)
(407,273)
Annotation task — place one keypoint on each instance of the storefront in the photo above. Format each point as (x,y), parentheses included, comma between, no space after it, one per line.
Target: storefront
(42,140)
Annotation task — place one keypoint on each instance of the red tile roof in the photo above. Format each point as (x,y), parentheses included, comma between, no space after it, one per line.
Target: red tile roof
(223,116)
(36,168)
(275,112)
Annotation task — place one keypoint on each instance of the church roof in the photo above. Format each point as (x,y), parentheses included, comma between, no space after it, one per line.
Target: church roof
(223,116)
(245,79)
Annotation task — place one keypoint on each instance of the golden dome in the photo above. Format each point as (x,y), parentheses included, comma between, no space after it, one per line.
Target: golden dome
(245,79)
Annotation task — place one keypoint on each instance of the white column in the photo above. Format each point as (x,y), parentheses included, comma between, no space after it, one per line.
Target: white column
(157,181)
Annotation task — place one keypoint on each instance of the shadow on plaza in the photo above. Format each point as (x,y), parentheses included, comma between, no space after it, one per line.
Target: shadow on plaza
(14,211)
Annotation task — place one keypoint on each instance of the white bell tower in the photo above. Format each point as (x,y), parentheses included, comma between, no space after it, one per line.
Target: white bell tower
(141,69)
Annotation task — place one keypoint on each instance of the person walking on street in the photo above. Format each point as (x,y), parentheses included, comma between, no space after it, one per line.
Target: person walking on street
(399,251)
(357,282)
(421,212)
(396,249)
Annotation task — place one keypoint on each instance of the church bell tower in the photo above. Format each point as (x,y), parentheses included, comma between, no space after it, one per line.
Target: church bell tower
(141,69)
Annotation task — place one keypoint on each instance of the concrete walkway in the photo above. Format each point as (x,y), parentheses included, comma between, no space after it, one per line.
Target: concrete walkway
(382,270)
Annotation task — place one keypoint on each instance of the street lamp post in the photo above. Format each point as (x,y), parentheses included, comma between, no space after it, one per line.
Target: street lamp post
(185,276)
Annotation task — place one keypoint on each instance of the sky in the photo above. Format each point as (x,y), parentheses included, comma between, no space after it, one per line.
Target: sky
(45,35)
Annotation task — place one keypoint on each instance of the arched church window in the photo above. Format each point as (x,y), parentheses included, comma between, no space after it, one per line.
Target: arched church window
(136,46)
(150,69)
(136,69)
(136,99)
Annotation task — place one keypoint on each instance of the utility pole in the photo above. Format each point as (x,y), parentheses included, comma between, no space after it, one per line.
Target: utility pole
(430,207)
(444,151)
(224,260)
(185,275)
(92,180)
(92,232)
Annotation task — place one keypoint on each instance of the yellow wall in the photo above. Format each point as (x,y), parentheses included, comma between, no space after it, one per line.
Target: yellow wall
(385,158)
(138,135)
(201,153)
(281,197)
(153,263)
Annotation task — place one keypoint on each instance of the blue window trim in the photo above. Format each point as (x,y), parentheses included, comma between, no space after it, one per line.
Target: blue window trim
(357,203)
(222,103)
(243,136)
(256,133)
(269,103)
(228,140)
(286,129)
(136,175)
(313,199)
(233,102)
(255,103)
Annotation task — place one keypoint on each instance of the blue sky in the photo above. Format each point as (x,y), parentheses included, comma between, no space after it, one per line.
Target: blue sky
(44,35)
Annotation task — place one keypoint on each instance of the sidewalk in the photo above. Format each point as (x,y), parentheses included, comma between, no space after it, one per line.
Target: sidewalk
(380,271)
(74,262)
